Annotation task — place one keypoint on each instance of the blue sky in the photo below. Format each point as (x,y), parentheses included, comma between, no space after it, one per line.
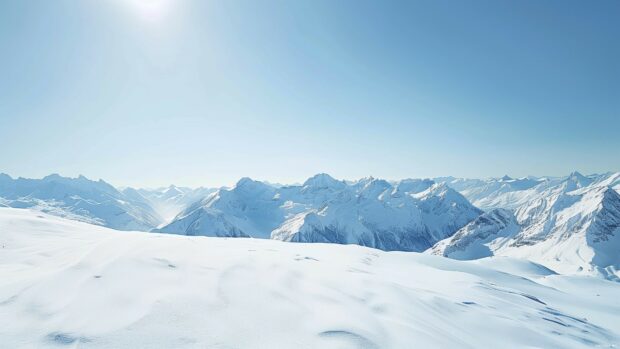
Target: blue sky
(152,92)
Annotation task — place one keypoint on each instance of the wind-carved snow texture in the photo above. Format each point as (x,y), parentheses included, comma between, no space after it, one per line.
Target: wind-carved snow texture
(410,215)
(69,284)
(571,225)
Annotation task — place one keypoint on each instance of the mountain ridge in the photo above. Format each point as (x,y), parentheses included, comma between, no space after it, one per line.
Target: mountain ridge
(369,212)
(572,227)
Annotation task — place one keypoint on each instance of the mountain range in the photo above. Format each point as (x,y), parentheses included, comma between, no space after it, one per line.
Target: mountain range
(95,202)
(409,215)
(570,224)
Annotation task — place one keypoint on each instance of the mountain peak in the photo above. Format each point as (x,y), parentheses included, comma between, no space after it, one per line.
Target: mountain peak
(443,191)
(53,176)
(579,180)
(506,178)
(576,174)
(172,190)
(322,180)
(247,184)
(244,181)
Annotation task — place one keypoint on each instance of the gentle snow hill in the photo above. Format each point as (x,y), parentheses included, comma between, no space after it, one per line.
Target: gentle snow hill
(81,199)
(75,285)
(573,227)
(409,215)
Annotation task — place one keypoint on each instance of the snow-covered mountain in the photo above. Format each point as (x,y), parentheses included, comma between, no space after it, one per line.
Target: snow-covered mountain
(569,224)
(510,193)
(247,208)
(68,284)
(493,193)
(81,199)
(409,215)
(170,201)
(571,227)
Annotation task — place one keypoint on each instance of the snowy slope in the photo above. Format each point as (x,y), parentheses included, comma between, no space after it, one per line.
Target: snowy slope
(81,199)
(573,227)
(408,215)
(71,284)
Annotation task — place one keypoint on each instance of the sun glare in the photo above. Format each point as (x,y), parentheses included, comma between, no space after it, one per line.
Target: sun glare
(150,10)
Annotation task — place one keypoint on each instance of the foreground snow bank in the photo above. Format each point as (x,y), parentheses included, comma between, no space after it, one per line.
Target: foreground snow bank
(70,284)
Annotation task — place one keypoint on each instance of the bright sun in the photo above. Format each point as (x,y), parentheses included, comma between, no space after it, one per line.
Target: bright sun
(152,10)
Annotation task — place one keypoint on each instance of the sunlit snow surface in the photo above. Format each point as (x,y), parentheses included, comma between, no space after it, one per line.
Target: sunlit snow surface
(70,284)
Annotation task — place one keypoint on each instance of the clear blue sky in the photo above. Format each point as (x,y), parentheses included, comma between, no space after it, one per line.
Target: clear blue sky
(152,92)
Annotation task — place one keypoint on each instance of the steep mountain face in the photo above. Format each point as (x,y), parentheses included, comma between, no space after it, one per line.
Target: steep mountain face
(170,201)
(481,237)
(94,202)
(409,215)
(573,227)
